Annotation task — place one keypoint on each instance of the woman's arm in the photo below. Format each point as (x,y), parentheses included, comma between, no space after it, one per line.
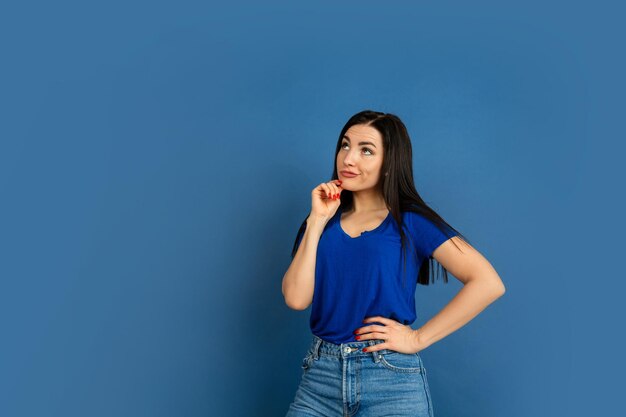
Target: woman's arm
(299,280)
(481,286)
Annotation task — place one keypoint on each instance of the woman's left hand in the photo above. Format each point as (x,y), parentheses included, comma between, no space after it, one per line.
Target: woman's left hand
(397,336)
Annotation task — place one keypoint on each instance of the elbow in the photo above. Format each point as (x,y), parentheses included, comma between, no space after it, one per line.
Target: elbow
(499,288)
(296,298)
(500,292)
(295,305)
(492,284)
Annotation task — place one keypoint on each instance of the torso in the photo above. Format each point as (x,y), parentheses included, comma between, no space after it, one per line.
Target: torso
(354,225)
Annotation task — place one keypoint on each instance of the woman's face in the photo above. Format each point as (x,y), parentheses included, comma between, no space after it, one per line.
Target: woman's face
(361,153)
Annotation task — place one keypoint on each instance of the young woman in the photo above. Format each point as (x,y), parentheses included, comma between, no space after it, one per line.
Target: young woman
(368,240)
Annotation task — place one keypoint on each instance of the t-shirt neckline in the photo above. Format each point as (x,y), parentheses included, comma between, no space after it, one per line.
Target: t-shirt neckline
(366,232)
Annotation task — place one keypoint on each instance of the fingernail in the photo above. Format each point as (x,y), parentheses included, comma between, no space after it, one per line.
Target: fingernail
(364,349)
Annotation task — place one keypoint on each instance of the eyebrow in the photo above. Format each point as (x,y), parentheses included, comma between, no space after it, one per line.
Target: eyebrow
(360,143)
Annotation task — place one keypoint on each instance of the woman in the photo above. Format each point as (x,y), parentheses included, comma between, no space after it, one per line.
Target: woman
(367,232)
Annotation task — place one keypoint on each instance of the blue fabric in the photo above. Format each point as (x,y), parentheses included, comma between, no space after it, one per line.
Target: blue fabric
(361,277)
(342,380)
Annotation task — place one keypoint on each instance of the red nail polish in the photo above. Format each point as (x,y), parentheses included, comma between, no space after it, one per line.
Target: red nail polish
(364,349)
(358,338)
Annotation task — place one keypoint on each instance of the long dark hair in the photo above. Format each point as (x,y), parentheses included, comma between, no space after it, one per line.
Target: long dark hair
(398,188)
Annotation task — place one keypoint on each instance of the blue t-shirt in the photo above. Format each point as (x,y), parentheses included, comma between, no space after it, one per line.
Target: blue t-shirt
(361,277)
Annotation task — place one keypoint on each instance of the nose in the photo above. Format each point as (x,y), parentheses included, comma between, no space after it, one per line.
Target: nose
(347,161)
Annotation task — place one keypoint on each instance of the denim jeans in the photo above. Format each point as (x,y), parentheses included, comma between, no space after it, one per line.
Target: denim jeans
(343,381)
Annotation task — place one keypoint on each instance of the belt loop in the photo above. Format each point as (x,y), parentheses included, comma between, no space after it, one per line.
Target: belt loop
(375,354)
(316,348)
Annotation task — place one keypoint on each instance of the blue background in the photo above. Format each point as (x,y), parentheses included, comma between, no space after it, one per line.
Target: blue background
(157,159)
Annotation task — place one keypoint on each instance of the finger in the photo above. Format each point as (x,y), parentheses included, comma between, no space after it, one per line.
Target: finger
(376,335)
(319,190)
(371,328)
(379,319)
(376,347)
(372,335)
(333,189)
(326,189)
(338,182)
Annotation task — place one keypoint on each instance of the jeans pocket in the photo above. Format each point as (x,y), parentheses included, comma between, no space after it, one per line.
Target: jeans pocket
(401,362)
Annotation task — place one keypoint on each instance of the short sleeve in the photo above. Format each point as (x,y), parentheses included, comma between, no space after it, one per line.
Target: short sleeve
(426,235)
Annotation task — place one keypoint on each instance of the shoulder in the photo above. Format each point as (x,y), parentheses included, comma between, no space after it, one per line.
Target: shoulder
(414,219)
(420,225)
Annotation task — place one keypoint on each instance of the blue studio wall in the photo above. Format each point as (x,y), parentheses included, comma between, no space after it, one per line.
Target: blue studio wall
(157,159)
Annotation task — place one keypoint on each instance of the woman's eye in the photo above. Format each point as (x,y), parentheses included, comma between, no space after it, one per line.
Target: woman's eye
(365,149)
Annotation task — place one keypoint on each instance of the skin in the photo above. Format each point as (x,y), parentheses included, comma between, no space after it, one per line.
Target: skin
(481,286)
(481,283)
(366,160)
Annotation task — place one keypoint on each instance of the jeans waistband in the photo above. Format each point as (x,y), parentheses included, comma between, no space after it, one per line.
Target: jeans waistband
(320,346)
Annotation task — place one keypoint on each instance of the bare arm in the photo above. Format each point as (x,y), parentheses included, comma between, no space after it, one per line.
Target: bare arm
(299,280)
(482,286)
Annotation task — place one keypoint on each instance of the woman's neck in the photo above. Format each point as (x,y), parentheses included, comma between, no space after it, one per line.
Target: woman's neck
(367,202)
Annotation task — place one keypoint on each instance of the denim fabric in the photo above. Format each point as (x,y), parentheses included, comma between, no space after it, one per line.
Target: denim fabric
(343,381)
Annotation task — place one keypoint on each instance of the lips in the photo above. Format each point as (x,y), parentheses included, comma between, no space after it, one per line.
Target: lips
(348,174)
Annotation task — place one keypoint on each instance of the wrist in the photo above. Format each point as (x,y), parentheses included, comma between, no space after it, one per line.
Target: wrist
(317,222)
(419,342)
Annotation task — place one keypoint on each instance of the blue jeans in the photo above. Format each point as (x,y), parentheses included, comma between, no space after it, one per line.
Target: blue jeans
(343,381)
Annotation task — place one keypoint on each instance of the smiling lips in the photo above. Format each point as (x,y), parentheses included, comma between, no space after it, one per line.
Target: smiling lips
(348,174)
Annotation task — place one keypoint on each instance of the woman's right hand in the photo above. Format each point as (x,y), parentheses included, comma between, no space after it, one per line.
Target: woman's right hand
(326,199)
